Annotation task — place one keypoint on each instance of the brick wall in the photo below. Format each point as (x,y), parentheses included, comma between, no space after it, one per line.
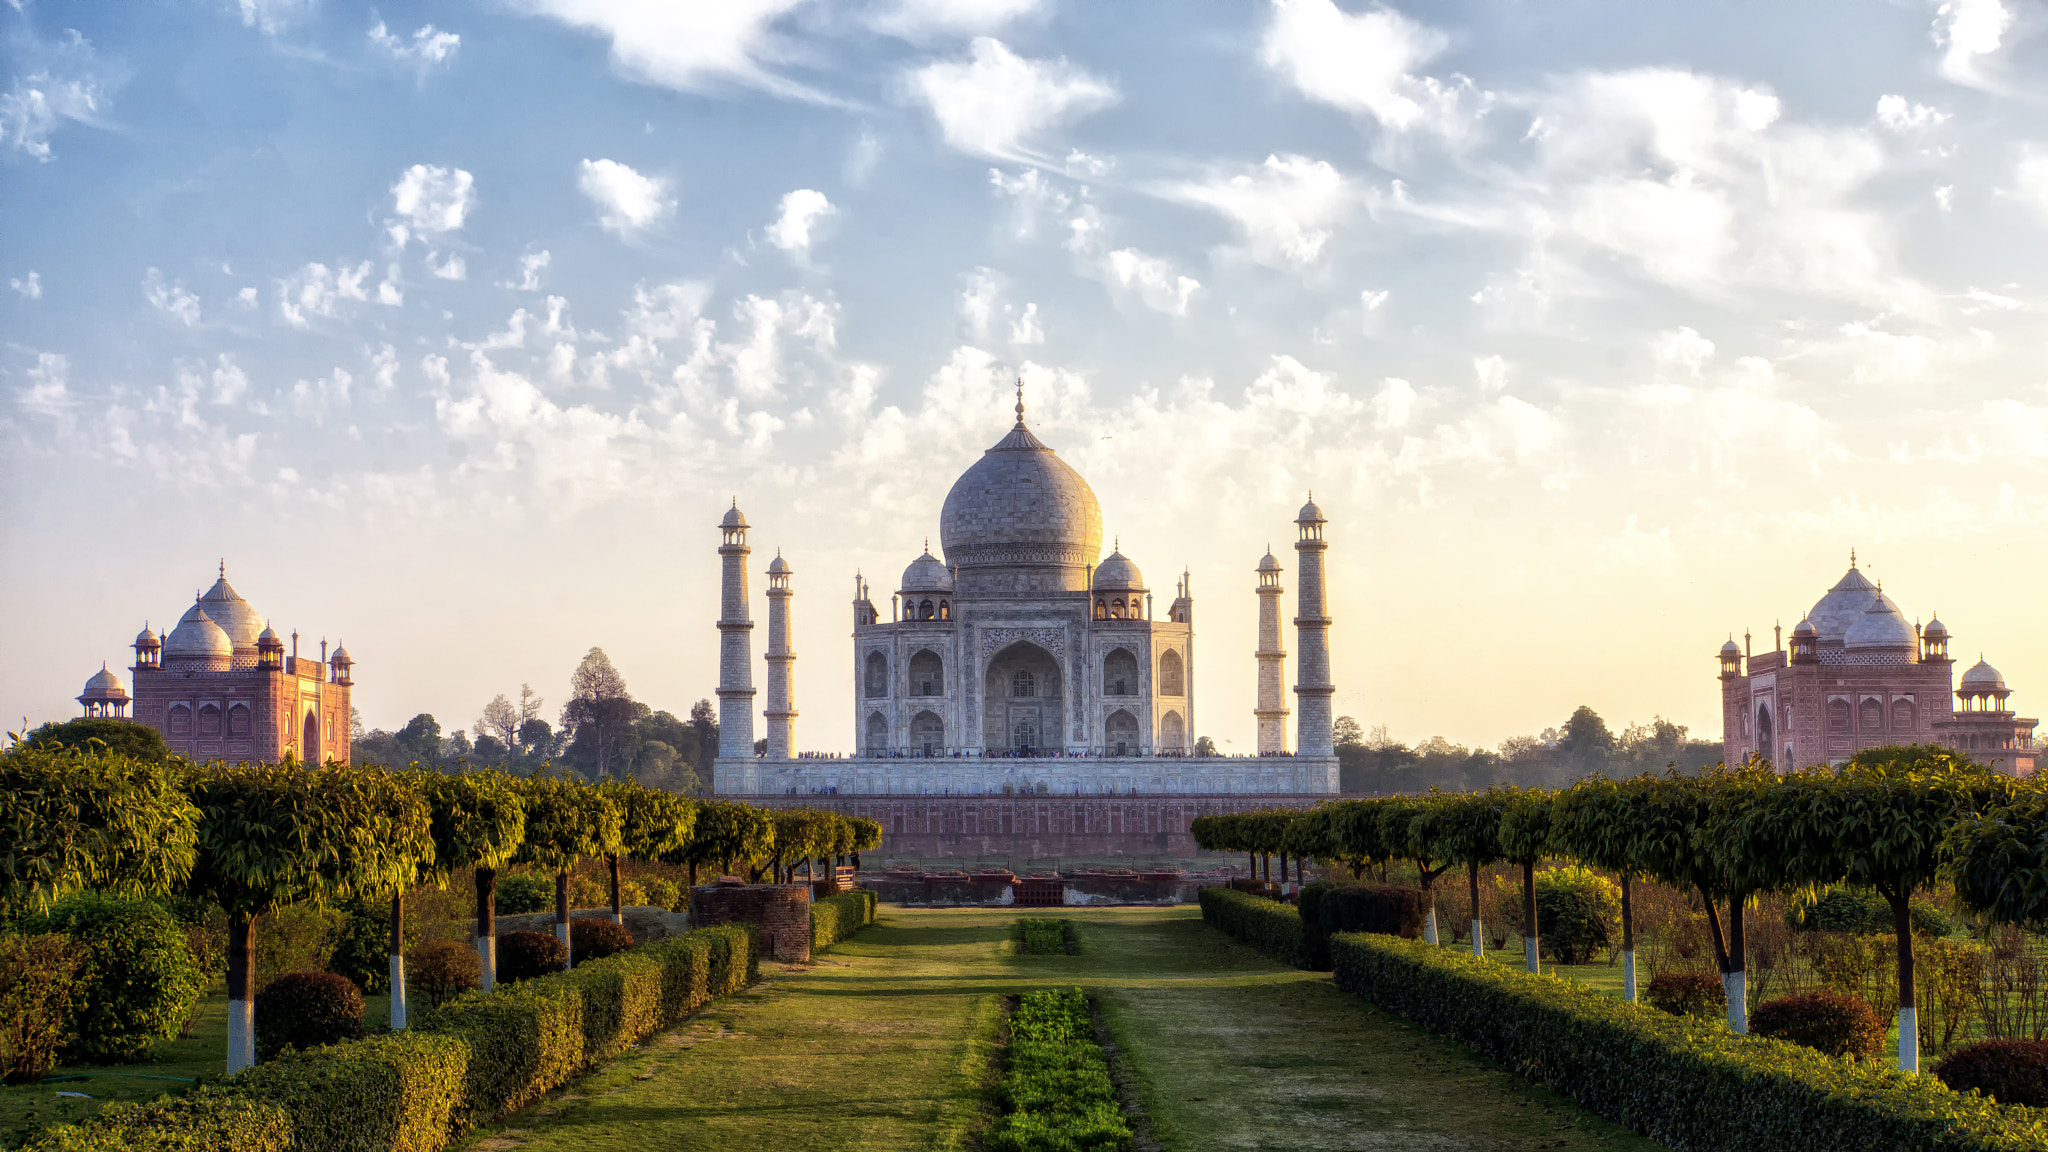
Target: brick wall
(781,911)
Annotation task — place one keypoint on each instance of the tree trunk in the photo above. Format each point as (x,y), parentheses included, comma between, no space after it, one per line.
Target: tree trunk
(618,908)
(1737,980)
(1478,921)
(1428,879)
(1532,939)
(241,994)
(1628,944)
(398,963)
(1283,870)
(1714,924)
(693,873)
(487,928)
(1255,864)
(1909,1019)
(562,913)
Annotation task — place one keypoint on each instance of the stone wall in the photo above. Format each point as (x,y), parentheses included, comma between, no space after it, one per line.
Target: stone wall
(1044,777)
(781,911)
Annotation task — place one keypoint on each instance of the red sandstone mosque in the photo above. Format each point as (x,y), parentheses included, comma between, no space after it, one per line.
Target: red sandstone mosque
(222,686)
(1858,676)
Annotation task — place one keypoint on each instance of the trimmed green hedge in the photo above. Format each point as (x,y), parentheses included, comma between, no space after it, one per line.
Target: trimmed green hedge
(1267,925)
(1057,1095)
(1683,1082)
(464,1065)
(837,917)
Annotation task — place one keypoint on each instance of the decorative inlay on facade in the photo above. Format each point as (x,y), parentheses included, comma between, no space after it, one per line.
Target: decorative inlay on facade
(1051,639)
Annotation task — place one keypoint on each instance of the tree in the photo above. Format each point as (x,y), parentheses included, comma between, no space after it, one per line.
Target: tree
(478,820)
(1408,826)
(600,712)
(1466,830)
(723,833)
(121,737)
(1595,822)
(274,835)
(73,818)
(537,738)
(1998,861)
(651,825)
(1204,746)
(1525,840)
(1585,746)
(500,721)
(1347,733)
(1673,844)
(566,821)
(420,739)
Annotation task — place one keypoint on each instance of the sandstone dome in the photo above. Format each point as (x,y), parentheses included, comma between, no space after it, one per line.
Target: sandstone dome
(1983,677)
(1843,605)
(1021,506)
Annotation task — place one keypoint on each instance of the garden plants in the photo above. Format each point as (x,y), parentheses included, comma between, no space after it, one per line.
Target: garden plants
(1056,1091)
(307,1010)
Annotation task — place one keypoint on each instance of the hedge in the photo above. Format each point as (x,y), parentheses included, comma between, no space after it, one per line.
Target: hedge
(837,917)
(462,1066)
(1683,1082)
(1267,925)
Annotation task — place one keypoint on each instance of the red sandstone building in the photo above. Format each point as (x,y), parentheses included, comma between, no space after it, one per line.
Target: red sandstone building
(1858,676)
(222,686)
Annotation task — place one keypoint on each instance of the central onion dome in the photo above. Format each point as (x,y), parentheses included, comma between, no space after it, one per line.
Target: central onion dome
(1020,508)
(1844,604)
(1882,625)
(199,640)
(235,616)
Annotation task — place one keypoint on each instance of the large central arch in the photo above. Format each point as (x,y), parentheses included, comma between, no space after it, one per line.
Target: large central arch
(1022,686)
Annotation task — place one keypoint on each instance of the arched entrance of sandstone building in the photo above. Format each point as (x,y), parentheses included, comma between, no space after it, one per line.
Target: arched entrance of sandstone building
(309,735)
(1022,686)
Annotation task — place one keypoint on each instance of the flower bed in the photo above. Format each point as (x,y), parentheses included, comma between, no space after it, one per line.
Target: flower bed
(1056,1092)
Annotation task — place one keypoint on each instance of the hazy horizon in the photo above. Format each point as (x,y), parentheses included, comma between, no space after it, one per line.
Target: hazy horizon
(1600,333)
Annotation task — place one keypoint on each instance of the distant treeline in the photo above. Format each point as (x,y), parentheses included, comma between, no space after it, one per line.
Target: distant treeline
(1373,762)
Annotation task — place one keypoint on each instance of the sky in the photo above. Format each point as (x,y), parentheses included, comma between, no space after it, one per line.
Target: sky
(1600,332)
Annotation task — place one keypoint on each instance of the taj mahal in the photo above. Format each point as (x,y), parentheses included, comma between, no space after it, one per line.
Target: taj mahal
(1024,663)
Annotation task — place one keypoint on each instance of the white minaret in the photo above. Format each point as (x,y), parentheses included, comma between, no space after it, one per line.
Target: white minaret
(1272,709)
(781,710)
(735,645)
(1312,685)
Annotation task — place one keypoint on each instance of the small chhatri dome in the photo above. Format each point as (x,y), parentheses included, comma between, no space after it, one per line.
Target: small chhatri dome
(104,685)
(1731,648)
(927,574)
(1934,628)
(734,518)
(145,638)
(197,637)
(340,655)
(778,566)
(235,615)
(1848,600)
(1118,572)
(269,639)
(1983,677)
(1268,563)
(1882,625)
(1805,628)
(1310,514)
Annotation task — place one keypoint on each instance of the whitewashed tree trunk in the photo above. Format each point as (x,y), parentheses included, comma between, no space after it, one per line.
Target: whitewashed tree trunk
(1735,984)
(1909,1041)
(241,1034)
(1478,938)
(397,992)
(1532,954)
(487,962)
(1628,976)
(1429,927)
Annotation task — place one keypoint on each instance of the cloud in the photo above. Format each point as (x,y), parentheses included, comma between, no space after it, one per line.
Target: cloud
(627,202)
(923,20)
(62,87)
(429,46)
(1492,372)
(1967,30)
(30,286)
(1366,64)
(1897,114)
(689,46)
(449,267)
(433,200)
(1026,329)
(48,392)
(317,290)
(531,266)
(2030,179)
(172,299)
(997,104)
(1152,280)
(1285,207)
(273,16)
(801,212)
(1032,196)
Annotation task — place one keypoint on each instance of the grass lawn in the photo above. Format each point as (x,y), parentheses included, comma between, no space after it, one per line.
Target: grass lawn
(885,1043)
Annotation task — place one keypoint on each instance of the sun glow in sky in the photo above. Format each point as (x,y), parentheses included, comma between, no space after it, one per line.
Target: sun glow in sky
(1598,330)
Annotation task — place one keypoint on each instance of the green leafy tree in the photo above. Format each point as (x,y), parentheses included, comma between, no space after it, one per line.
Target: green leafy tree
(567,821)
(1525,840)
(1595,822)
(74,818)
(652,824)
(274,835)
(1466,830)
(121,737)
(478,820)
(1586,745)
(599,716)
(420,739)
(723,834)
(1408,825)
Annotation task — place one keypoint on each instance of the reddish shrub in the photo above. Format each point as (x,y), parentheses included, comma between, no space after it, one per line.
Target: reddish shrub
(2008,1071)
(1829,1021)
(525,955)
(441,970)
(593,939)
(307,1010)
(1688,993)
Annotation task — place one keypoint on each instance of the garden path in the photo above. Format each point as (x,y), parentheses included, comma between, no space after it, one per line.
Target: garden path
(885,1043)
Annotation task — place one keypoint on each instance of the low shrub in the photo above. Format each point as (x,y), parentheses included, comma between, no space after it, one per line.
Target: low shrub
(207,1119)
(526,955)
(441,970)
(1688,994)
(594,938)
(837,917)
(37,977)
(398,1092)
(1576,909)
(1824,1021)
(2008,1071)
(664,893)
(1384,908)
(1267,925)
(362,946)
(1056,1089)
(1683,1082)
(523,892)
(1045,937)
(1846,908)
(307,1010)
(137,981)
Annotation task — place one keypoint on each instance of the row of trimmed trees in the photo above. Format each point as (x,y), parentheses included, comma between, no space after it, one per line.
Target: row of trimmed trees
(1895,820)
(254,838)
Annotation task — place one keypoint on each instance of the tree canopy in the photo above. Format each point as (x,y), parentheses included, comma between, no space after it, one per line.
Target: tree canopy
(88,817)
